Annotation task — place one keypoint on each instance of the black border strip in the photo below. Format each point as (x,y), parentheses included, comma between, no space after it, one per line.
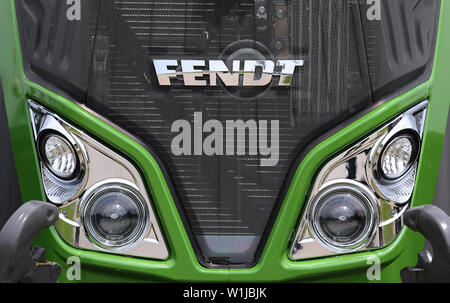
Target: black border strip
(9,183)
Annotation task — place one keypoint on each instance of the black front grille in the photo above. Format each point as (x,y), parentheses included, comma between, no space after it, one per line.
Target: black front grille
(228,200)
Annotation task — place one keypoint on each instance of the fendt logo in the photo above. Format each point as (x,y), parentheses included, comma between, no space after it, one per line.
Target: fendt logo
(254,73)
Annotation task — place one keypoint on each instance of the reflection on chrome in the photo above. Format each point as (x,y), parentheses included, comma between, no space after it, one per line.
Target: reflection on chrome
(255,73)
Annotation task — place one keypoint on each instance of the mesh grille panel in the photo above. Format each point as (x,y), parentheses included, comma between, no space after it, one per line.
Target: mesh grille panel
(228,199)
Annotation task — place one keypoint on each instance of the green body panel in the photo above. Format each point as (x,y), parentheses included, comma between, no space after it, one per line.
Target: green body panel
(182,264)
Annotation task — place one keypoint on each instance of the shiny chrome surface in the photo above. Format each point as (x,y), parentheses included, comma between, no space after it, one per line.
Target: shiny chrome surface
(359,164)
(398,190)
(287,70)
(59,190)
(163,72)
(101,164)
(218,69)
(193,72)
(250,66)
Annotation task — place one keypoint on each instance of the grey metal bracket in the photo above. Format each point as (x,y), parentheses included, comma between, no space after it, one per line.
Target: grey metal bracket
(19,262)
(434,224)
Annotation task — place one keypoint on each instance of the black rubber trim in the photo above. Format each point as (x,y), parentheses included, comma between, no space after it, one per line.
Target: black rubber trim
(442,192)
(9,185)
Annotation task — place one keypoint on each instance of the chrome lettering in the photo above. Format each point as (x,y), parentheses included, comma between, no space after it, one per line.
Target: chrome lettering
(250,69)
(163,72)
(217,68)
(255,73)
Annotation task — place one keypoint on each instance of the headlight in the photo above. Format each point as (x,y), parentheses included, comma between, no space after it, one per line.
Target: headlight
(343,215)
(63,158)
(58,155)
(398,156)
(113,213)
(103,201)
(359,196)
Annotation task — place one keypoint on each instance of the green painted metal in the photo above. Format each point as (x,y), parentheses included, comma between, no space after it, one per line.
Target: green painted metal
(182,265)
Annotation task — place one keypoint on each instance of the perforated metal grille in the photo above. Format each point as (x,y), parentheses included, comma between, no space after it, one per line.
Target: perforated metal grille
(227,199)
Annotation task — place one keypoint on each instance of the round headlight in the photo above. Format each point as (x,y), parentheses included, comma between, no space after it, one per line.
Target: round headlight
(398,156)
(58,155)
(343,216)
(114,214)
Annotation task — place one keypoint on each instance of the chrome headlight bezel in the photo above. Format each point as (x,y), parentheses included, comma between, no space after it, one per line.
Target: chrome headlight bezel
(344,186)
(413,138)
(42,140)
(107,186)
(397,190)
(98,165)
(360,164)
(56,188)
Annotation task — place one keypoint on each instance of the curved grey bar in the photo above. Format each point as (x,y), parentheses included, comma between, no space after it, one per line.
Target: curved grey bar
(17,263)
(434,224)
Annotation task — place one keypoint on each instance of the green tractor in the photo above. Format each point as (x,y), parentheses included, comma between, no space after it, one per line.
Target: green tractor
(224,140)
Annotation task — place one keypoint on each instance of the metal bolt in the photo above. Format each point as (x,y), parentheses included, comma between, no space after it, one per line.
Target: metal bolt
(280,13)
(279,45)
(262,10)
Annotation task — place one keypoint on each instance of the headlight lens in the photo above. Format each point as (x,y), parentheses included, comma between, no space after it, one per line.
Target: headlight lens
(398,156)
(114,214)
(58,155)
(343,215)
